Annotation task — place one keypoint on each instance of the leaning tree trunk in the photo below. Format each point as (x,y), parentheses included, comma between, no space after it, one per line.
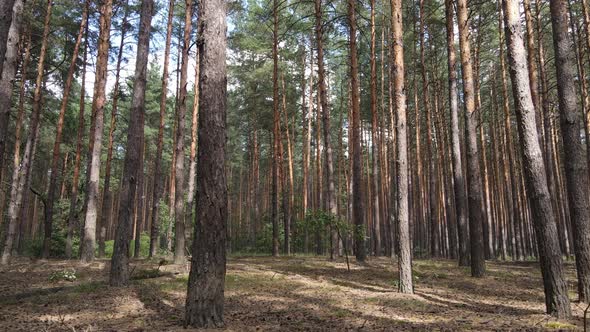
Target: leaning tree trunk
(20,174)
(404,249)
(556,296)
(204,301)
(358,202)
(158,185)
(193,155)
(473,173)
(89,237)
(48,224)
(179,236)
(576,167)
(119,274)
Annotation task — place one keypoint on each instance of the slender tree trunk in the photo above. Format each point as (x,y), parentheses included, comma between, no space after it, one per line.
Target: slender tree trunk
(119,274)
(556,296)
(73,213)
(276,137)
(22,172)
(461,204)
(473,172)
(88,242)
(158,174)
(330,195)
(576,167)
(58,137)
(357,172)
(376,187)
(402,216)
(105,216)
(204,301)
(193,154)
(179,215)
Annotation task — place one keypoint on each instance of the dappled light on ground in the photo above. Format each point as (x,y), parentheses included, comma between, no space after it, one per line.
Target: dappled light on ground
(278,294)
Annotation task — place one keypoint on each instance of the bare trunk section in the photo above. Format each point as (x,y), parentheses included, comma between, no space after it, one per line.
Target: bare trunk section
(458,177)
(330,194)
(276,137)
(179,236)
(473,171)
(357,171)
(158,181)
(204,301)
(21,173)
(556,295)
(119,273)
(402,215)
(576,166)
(98,102)
(48,224)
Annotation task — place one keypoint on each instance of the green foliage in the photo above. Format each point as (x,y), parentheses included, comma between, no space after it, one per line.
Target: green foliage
(66,275)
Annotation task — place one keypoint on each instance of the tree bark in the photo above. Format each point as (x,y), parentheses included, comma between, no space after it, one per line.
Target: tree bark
(576,167)
(158,174)
(119,273)
(276,137)
(357,172)
(179,215)
(48,224)
(556,296)
(205,296)
(98,102)
(473,172)
(403,230)
(461,203)
(21,173)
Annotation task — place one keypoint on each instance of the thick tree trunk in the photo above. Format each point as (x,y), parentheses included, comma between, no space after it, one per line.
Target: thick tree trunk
(88,241)
(576,167)
(402,215)
(48,224)
(22,172)
(158,185)
(556,296)
(473,172)
(179,215)
(6,17)
(357,172)
(204,301)
(119,274)
(458,177)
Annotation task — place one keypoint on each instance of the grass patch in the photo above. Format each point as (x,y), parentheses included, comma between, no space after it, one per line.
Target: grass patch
(560,326)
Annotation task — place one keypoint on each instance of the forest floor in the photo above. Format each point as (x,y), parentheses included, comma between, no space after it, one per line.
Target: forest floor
(282,294)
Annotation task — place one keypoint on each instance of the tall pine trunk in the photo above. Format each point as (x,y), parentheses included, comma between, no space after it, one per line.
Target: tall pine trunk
(556,296)
(98,102)
(119,273)
(204,301)
(473,172)
(48,224)
(158,176)
(576,167)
